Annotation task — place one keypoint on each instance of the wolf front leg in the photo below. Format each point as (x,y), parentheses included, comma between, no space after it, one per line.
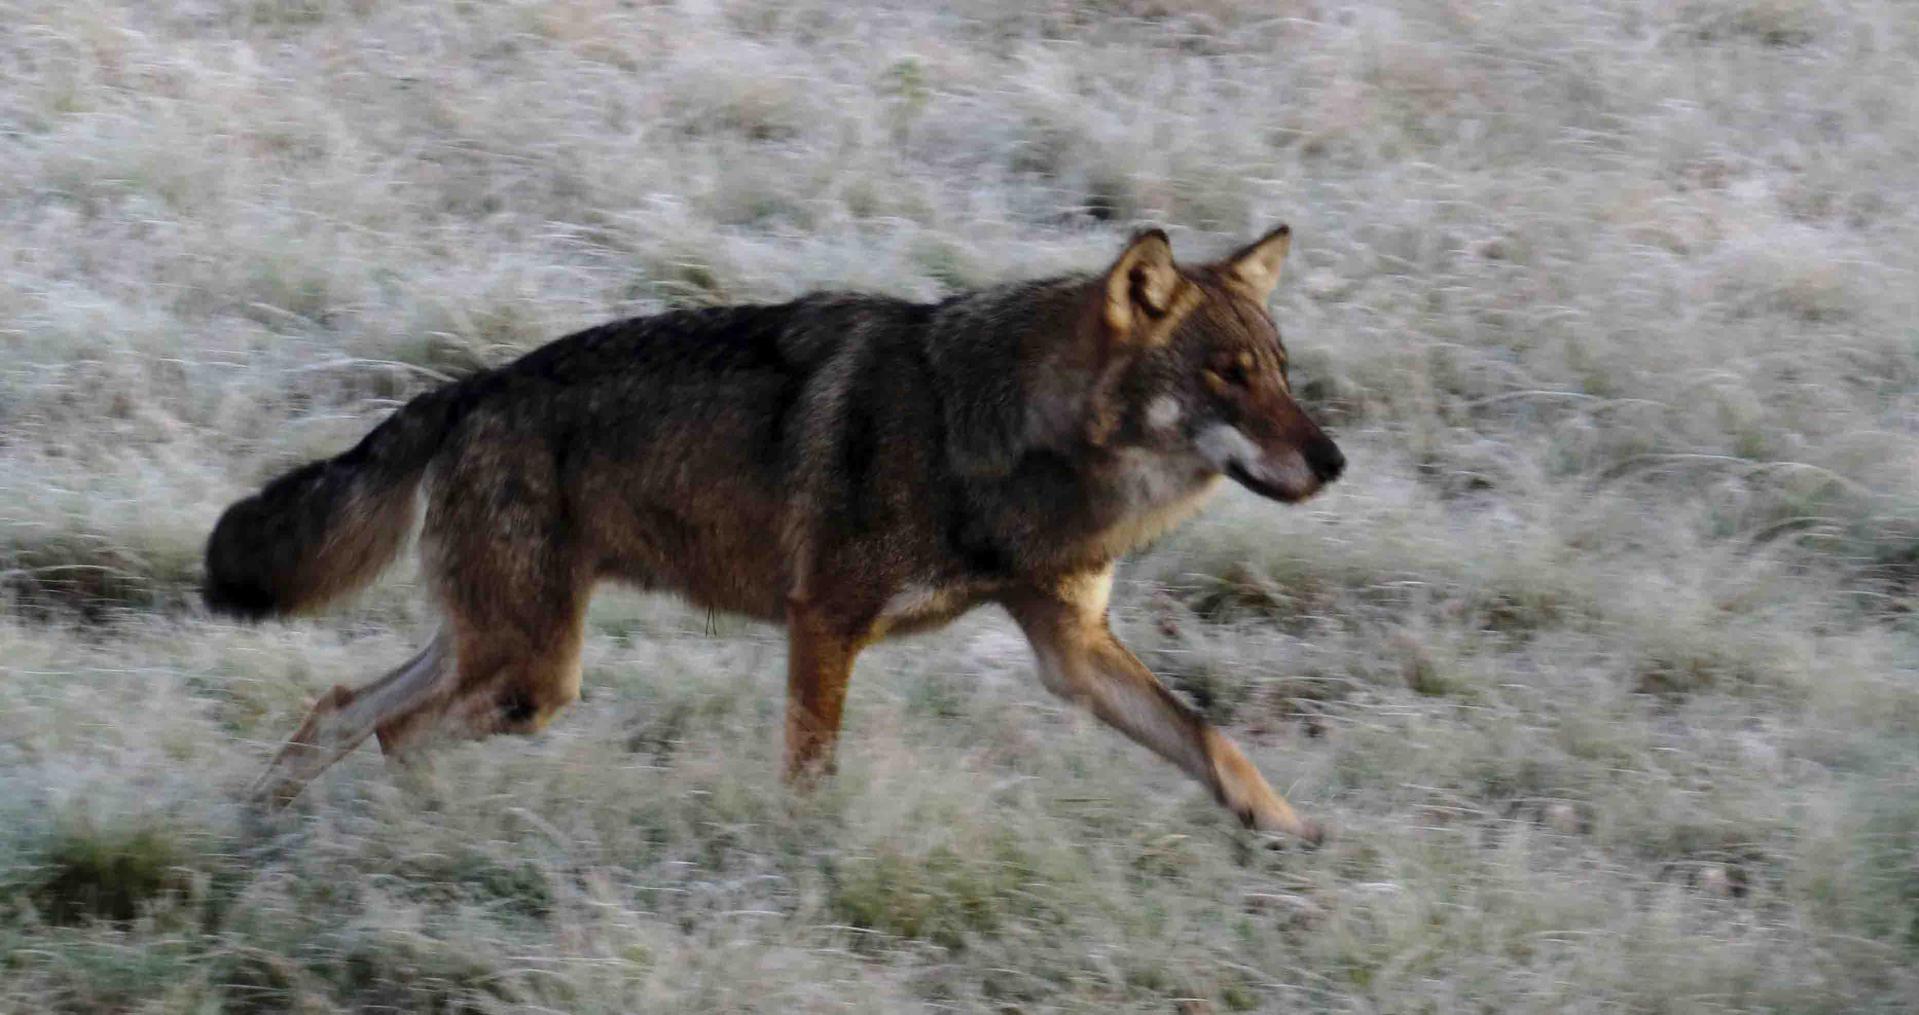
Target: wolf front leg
(819,664)
(1080,660)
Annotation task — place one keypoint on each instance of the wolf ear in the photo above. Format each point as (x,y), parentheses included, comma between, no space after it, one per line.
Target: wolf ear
(1257,266)
(1141,286)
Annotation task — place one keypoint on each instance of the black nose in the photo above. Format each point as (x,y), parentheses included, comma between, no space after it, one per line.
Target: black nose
(1327,461)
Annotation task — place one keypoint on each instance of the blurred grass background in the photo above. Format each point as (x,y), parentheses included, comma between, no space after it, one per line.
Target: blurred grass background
(1603,660)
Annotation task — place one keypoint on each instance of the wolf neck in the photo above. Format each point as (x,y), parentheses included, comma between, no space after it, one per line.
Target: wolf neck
(1018,376)
(1012,371)
(1148,495)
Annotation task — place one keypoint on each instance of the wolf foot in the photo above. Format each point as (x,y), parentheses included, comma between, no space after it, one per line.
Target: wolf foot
(324,738)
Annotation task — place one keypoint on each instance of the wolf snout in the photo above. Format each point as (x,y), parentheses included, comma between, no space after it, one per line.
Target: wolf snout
(1326,461)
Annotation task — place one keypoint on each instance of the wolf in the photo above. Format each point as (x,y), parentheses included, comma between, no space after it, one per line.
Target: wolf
(851,466)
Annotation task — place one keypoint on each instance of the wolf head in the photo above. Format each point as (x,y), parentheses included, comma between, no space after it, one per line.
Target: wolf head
(1200,373)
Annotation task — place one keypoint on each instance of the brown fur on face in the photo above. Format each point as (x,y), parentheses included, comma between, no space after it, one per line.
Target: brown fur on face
(849,466)
(1215,387)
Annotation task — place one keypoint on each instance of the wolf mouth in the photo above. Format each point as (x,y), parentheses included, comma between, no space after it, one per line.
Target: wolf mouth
(1238,474)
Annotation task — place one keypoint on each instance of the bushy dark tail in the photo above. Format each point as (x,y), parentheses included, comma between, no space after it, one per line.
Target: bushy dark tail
(328,527)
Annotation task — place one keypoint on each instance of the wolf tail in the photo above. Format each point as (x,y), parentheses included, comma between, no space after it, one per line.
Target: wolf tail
(328,527)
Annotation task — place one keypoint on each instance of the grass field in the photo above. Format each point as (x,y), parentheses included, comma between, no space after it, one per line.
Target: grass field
(1603,662)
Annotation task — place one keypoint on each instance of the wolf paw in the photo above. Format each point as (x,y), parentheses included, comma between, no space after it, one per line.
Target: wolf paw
(1295,831)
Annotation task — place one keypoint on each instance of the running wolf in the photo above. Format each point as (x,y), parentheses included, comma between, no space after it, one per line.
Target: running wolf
(851,466)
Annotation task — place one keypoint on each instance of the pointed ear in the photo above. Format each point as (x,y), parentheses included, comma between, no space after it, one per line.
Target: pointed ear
(1141,286)
(1257,266)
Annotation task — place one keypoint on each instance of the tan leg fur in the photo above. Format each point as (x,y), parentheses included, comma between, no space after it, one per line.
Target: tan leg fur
(343,718)
(1081,660)
(819,665)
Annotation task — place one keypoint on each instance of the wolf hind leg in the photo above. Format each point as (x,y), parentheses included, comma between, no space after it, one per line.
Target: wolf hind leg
(505,556)
(515,672)
(497,692)
(344,717)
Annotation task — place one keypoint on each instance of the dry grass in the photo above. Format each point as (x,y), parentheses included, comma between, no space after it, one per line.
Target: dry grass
(1603,660)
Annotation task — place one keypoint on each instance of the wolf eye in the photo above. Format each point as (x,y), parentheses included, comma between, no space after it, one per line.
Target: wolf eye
(1236,372)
